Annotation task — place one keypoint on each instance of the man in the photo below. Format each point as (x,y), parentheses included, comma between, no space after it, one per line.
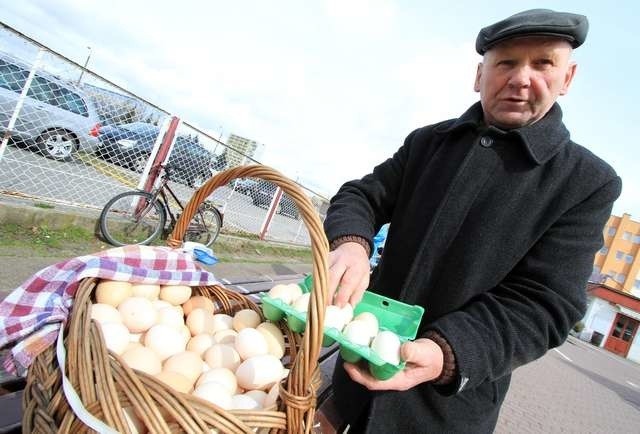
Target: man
(495,220)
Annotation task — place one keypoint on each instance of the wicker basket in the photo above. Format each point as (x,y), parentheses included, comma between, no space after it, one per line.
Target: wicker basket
(106,386)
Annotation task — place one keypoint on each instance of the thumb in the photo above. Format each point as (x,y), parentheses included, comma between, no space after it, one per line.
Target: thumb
(418,351)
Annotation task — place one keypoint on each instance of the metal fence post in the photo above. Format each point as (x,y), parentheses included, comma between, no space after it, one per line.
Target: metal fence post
(270,213)
(20,103)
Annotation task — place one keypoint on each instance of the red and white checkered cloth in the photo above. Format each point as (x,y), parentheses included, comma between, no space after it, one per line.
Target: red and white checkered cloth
(31,316)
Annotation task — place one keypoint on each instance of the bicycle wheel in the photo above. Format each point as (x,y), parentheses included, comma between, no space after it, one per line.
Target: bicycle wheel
(205,226)
(132,218)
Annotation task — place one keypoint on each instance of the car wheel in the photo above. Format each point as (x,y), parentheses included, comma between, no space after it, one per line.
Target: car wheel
(57,144)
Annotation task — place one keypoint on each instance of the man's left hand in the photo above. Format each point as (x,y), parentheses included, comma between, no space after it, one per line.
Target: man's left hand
(424,363)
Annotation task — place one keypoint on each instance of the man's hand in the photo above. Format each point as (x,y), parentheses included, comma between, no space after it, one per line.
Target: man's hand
(424,363)
(348,274)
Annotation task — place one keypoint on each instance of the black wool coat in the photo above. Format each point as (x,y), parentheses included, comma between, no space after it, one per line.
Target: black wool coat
(494,233)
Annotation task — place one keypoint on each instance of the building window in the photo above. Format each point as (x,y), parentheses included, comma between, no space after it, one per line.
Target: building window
(626,236)
(637,284)
(635,292)
(612,231)
(619,255)
(628,259)
(635,239)
(620,278)
(604,250)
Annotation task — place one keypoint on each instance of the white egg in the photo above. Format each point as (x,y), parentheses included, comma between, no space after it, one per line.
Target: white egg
(165,340)
(370,319)
(294,291)
(116,336)
(358,332)
(227,336)
(387,345)
(333,318)
(222,376)
(103,312)
(301,304)
(214,393)
(347,313)
(222,321)
(259,372)
(243,402)
(281,292)
(257,395)
(222,356)
(143,359)
(170,317)
(272,396)
(200,343)
(250,342)
(175,294)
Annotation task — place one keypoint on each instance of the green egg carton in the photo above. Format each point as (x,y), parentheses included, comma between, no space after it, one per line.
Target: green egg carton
(400,318)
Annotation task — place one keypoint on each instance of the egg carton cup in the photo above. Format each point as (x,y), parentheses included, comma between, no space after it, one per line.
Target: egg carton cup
(400,318)
(107,388)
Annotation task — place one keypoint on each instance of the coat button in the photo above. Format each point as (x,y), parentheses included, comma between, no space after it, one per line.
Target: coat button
(486,141)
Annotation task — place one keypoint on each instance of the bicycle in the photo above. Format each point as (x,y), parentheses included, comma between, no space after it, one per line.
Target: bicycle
(139,217)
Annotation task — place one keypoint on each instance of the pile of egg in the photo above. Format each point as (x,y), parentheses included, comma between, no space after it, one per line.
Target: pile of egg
(164,331)
(363,329)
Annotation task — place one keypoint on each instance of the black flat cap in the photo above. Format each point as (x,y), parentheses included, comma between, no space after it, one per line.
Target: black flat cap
(535,22)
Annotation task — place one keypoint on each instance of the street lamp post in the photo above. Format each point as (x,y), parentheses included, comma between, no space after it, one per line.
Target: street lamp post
(84,68)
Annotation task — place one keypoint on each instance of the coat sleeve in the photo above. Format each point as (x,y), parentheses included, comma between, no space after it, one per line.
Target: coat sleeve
(535,306)
(362,206)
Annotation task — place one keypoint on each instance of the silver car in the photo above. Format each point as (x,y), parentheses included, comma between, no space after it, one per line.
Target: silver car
(56,117)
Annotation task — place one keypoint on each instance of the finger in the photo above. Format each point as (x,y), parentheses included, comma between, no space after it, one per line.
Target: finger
(418,352)
(356,296)
(336,271)
(348,285)
(360,376)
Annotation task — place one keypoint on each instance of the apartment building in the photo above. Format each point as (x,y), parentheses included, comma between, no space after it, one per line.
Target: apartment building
(617,264)
(244,148)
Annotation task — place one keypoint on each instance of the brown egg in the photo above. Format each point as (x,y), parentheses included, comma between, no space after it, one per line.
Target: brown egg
(138,314)
(246,318)
(175,294)
(196,302)
(200,343)
(176,381)
(112,292)
(143,359)
(186,363)
(146,290)
(199,321)
(274,338)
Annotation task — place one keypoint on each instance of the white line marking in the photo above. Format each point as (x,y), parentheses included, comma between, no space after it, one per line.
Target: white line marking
(633,385)
(565,357)
(241,288)
(225,281)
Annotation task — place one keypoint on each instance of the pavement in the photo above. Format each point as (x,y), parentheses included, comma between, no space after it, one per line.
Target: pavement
(576,388)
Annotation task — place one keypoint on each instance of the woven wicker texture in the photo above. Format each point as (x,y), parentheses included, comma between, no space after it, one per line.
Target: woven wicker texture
(109,389)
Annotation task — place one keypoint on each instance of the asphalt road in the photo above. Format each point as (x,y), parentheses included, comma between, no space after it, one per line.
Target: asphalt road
(577,388)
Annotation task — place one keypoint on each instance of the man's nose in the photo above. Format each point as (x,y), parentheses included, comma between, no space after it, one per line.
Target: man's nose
(520,77)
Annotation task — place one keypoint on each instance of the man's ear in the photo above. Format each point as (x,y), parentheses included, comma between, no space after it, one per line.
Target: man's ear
(571,72)
(476,85)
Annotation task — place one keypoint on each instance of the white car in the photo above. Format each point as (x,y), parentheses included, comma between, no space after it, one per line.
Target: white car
(56,117)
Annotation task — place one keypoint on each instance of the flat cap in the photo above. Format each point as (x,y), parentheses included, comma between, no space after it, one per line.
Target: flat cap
(535,22)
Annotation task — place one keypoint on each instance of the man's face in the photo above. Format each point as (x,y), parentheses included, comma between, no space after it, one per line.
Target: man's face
(520,79)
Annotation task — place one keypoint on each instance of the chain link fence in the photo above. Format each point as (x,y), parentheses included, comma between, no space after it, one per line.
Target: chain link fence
(75,138)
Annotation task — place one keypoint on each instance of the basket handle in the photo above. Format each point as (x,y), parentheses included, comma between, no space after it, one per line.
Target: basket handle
(304,369)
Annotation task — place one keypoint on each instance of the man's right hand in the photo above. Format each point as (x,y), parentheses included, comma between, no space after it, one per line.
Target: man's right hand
(348,274)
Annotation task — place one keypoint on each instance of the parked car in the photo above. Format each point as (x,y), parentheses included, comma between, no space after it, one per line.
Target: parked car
(244,185)
(130,145)
(56,117)
(262,195)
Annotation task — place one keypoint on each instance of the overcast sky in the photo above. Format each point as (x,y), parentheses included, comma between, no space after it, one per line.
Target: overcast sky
(332,87)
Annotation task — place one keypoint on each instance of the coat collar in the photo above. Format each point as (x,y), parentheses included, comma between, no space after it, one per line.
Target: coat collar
(541,140)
